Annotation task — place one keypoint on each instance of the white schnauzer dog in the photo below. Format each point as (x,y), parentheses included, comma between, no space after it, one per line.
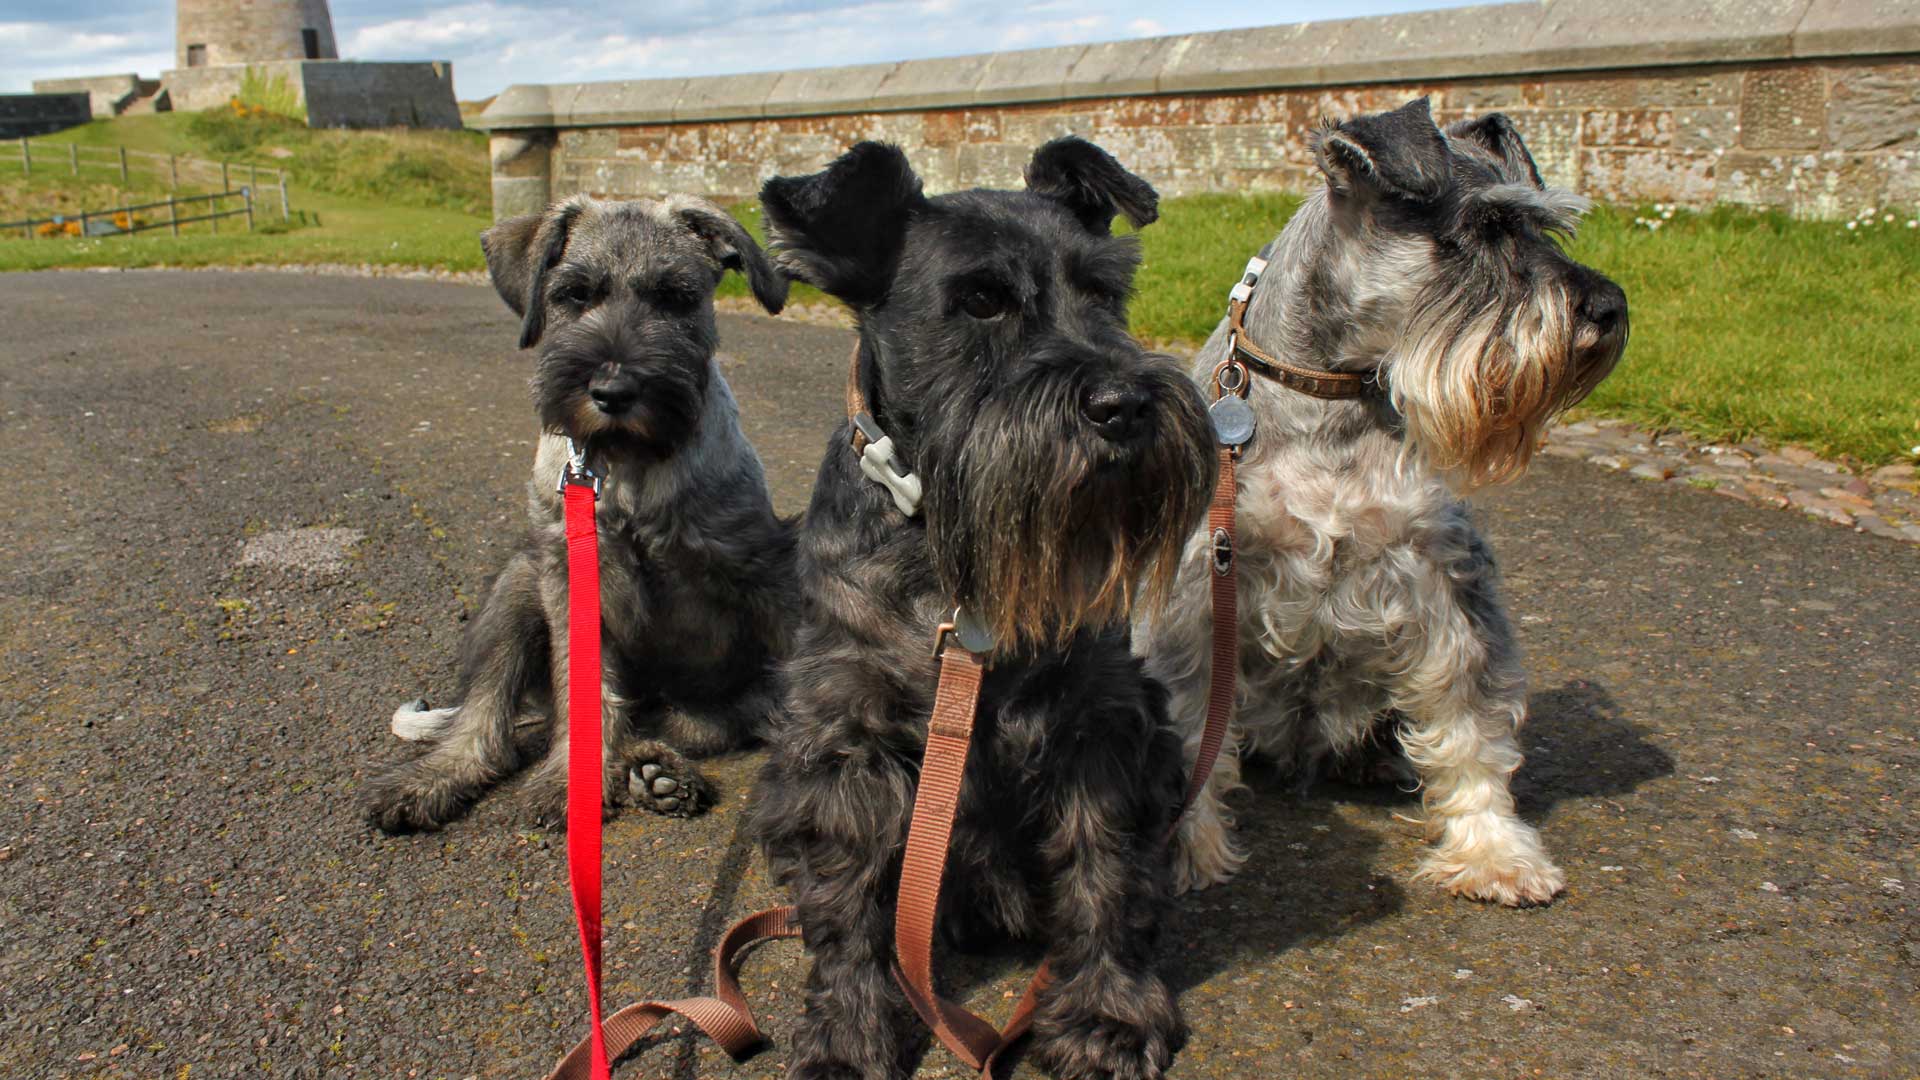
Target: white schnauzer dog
(696,571)
(1419,324)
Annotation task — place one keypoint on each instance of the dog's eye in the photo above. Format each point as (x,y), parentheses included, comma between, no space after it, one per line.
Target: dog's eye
(982,303)
(574,294)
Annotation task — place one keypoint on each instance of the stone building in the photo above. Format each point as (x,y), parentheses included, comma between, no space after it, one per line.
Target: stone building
(1812,106)
(213,32)
(224,47)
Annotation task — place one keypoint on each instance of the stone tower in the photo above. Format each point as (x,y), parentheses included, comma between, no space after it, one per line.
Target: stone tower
(212,32)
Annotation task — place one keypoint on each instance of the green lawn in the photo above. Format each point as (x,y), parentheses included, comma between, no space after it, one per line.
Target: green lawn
(1744,324)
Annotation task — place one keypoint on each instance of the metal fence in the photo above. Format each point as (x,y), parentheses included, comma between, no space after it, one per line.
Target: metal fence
(120,220)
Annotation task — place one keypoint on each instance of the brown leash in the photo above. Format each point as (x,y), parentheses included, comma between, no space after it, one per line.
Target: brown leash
(961,649)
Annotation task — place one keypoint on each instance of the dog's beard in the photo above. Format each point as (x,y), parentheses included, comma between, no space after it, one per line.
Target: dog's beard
(1477,380)
(1041,529)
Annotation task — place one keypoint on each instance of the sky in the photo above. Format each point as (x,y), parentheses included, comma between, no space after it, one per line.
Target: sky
(494,44)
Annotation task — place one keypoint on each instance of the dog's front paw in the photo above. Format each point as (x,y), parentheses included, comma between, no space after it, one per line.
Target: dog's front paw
(667,783)
(1107,1048)
(1205,854)
(1505,864)
(400,803)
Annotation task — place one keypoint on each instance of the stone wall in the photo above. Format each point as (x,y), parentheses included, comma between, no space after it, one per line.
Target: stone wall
(335,93)
(107,94)
(1808,105)
(22,115)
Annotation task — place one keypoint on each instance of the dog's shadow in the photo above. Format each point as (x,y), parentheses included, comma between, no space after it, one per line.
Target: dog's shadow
(1312,874)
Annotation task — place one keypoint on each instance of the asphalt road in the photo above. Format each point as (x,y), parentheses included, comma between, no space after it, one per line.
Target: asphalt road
(195,680)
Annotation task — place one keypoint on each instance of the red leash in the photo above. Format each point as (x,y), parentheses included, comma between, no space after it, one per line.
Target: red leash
(580,488)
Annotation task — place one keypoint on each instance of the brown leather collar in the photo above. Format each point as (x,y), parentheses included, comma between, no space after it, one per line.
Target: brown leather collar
(856,402)
(1326,385)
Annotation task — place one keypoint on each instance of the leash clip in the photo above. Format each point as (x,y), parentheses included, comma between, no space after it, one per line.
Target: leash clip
(576,471)
(883,467)
(970,632)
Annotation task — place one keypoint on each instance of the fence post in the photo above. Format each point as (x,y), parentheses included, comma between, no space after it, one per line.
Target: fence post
(283,196)
(123,164)
(173,214)
(173,169)
(26,157)
(225,184)
(83,224)
(249,193)
(73,158)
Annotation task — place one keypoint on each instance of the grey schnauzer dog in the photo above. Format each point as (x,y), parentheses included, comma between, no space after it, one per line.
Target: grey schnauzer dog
(696,571)
(1368,600)
(1062,467)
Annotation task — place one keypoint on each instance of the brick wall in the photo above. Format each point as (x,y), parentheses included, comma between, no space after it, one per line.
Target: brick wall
(1737,114)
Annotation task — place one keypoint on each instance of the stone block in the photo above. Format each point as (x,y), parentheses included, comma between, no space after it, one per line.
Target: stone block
(1873,106)
(521,154)
(1644,88)
(1705,129)
(1639,176)
(1112,68)
(1576,34)
(1857,28)
(993,165)
(942,82)
(513,196)
(518,106)
(1649,128)
(601,142)
(632,101)
(820,91)
(1256,147)
(724,97)
(1031,127)
(1027,75)
(1783,108)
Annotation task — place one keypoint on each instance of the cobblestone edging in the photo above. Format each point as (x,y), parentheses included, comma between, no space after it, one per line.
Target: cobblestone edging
(1883,502)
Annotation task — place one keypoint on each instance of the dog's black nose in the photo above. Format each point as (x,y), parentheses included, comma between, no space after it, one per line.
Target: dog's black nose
(614,393)
(1117,412)
(1605,306)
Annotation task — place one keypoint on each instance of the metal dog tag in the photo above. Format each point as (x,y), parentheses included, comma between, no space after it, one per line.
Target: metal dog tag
(1232,420)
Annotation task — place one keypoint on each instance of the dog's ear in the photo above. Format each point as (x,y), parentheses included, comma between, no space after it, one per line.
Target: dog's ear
(733,248)
(519,253)
(842,228)
(1088,181)
(1496,134)
(1399,153)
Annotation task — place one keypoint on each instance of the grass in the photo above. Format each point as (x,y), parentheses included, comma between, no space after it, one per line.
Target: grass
(1745,324)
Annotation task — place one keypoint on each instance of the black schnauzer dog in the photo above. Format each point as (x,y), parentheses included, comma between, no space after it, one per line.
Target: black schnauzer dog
(696,571)
(1062,467)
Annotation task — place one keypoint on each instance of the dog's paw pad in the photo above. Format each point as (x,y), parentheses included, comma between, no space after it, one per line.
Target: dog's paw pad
(677,791)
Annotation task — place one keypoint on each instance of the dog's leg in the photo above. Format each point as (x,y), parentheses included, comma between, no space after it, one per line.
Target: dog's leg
(841,831)
(1108,1013)
(1464,695)
(1177,646)
(504,658)
(545,793)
